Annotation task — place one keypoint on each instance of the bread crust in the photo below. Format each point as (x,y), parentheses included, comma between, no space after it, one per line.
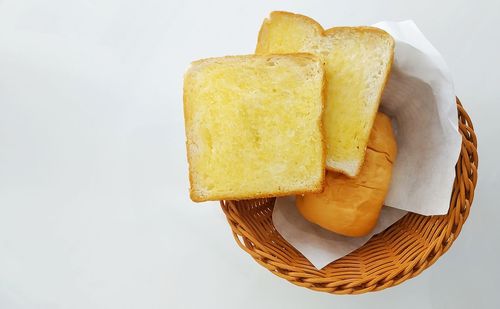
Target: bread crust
(187,112)
(323,33)
(195,197)
(310,56)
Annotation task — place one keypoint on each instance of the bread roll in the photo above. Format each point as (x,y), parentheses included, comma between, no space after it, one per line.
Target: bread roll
(357,63)
(253,126)
(351,206)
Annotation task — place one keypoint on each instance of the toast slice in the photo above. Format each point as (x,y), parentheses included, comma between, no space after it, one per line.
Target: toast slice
(357,63)
(253,126)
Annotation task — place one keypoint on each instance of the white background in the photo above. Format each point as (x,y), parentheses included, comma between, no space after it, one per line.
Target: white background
(94,207)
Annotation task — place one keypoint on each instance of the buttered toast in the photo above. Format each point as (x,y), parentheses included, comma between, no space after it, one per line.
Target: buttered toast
(253,126)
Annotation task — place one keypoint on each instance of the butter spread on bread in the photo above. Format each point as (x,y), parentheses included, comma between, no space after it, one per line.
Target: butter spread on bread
(253,126)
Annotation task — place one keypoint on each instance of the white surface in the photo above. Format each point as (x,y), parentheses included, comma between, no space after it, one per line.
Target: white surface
(94,210)
(319,245)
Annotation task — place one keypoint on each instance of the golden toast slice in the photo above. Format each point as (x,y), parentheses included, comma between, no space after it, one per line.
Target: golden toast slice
(253,126)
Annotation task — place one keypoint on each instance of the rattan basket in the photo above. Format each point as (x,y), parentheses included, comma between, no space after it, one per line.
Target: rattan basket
(397,254)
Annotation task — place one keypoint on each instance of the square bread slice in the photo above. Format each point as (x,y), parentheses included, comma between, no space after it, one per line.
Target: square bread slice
(253,126)
(357,64)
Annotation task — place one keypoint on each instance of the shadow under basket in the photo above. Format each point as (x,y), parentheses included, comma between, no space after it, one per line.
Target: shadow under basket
(389,258)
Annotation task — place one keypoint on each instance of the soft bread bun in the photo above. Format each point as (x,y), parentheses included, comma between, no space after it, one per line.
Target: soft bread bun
(351,206)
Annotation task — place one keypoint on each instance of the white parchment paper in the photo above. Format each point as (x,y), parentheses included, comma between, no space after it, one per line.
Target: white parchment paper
(420,99)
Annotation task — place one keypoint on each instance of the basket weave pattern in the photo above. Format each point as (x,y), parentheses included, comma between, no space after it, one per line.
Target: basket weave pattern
(397,254)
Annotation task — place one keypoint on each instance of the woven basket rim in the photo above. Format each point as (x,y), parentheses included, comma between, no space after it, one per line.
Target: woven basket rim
(414,243)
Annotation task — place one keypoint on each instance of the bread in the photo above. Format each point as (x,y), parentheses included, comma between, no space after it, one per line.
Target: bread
(351,206)
(358,61)
(253,126)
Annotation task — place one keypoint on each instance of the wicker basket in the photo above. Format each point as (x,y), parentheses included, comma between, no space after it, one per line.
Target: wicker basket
(399,253)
